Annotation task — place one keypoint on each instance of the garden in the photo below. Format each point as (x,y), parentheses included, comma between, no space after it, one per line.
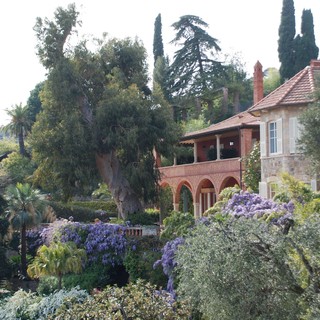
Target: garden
(246,258)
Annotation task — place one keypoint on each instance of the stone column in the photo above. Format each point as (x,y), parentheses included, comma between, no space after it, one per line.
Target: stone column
(218,146)
(196,210)
(195,152)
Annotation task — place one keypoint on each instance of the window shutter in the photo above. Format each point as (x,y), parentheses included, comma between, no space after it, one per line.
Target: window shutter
(263,189)
(292,134)
(279,136)
(263,149)
(314,185)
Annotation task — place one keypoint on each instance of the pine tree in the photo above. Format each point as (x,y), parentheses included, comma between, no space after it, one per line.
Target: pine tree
(305,45)
(287,31)
(157,39)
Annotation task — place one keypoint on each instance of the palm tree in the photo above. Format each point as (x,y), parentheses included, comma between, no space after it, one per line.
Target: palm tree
(19,125)
(57,260)
(24,211)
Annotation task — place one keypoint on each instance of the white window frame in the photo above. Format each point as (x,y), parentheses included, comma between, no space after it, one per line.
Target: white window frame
(272,132)
(275,140)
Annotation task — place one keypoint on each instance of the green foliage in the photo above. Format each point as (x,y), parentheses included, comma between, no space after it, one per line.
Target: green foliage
(97,103)
(223,198)
(108,206)
(158,51)
(271,80)
(29,306)
(57,260)
(249,263)
(25,210)
(308,141)
(294,190)
(141,254)
(138,300)
(252,168)
(194,124)
(287,31)
(149,217)
(22,305)
(102,193)
(8,145)
(178,224)
(165,202)
(194,64)
(18,167)
(305,44)
(19,125)
(34,103)
(82,213)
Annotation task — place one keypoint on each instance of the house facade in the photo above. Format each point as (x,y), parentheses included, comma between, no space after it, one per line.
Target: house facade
(217,153)
(279,129)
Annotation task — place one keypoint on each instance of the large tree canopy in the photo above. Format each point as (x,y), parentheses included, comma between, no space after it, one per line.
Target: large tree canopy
(194,66)
(99,116)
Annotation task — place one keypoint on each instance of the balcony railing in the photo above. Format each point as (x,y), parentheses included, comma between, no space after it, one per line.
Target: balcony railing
(201,168)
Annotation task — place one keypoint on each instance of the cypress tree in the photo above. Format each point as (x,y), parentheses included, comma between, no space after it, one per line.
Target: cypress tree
(157,39)
(305,45)
(287,31)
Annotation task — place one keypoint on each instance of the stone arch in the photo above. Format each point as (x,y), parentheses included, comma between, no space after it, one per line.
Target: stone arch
(177,195)
(205,196)
(229,182)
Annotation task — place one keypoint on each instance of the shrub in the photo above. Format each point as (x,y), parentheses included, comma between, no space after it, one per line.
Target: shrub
(103,242)
(141,254)
(138,300)
(109,207)
(22,305)
(48,305)
(177,224)
(80,214)
(18,167)
(149,217)
(27,305)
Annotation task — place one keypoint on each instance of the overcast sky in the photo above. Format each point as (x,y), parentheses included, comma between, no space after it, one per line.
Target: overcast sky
(248,28)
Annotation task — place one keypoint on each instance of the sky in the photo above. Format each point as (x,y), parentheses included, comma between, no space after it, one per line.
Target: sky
(246,28)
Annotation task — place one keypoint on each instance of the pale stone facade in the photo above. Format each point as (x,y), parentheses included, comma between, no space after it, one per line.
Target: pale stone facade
(279,114)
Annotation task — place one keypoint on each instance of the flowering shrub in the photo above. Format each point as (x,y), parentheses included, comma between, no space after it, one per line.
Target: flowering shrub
(168,261)
(103,242)
(252,205)
(139,300)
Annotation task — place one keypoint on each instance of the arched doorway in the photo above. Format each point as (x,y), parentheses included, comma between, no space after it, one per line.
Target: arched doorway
(184,198)
(206,195)
(229,182)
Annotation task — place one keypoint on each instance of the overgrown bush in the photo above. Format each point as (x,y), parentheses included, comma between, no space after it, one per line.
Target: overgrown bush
(109,206)
(141,254)
(18,167)
(80,214)
(138,300)
(29,306)
(149,217)
(177,224)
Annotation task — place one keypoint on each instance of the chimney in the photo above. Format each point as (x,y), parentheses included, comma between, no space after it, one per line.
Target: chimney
(257,83)
(315,63)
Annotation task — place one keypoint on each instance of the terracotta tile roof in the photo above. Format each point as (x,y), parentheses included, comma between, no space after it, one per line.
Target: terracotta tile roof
(239,120)
(296,91)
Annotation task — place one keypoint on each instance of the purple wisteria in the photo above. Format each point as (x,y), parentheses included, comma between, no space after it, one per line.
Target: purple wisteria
(252,205)
(168,261)
(103,242)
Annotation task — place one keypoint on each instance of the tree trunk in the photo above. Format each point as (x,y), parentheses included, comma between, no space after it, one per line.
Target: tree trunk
(59,281)
(23,250)
(21,144)
(127,201)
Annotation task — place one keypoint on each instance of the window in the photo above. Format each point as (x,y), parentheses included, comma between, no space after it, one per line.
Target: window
(294,134)
(273,137)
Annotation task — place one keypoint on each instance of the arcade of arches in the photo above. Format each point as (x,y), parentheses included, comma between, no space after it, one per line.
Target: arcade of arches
(202,189)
